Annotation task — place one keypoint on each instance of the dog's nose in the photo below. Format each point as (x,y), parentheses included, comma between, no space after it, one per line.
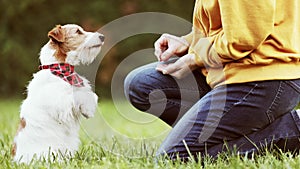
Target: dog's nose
(101,37)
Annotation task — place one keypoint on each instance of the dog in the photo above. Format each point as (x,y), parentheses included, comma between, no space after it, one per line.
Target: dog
(57,96)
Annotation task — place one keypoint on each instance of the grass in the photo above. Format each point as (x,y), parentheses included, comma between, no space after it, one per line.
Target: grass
(121,137)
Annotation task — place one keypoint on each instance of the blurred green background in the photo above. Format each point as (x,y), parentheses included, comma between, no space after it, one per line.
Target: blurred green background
(24,25)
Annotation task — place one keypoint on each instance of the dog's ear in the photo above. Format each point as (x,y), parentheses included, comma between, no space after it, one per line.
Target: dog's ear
(57,34)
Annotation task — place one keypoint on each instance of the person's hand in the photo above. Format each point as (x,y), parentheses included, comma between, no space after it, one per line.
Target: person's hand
(179,69)
(169,45)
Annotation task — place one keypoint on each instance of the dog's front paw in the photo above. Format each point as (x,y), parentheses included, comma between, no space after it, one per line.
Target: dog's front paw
(89,107)
(87,112)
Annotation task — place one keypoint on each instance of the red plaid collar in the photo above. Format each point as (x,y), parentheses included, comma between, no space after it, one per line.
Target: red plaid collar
(66,72)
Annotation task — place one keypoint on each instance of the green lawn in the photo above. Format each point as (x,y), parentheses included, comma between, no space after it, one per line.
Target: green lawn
(121,137)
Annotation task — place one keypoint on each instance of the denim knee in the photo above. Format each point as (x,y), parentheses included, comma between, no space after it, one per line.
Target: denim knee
(128,84)
(137,89)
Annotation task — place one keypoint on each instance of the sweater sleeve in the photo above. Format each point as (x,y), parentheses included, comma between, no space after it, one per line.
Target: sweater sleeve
(245,26)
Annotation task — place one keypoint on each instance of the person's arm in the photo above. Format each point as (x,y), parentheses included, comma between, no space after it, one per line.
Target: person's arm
(246,25)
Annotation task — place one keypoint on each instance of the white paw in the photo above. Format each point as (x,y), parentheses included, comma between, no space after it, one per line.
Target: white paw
(89,106)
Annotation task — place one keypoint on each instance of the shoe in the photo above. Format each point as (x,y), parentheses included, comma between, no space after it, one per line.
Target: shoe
(298,112)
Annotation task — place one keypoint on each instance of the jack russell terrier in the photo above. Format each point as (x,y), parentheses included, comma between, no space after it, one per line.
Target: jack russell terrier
(57,96)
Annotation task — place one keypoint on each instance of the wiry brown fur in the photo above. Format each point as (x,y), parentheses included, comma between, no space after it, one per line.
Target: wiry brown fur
(62,41)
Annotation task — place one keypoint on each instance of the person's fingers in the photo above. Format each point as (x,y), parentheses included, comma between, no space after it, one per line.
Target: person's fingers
(179,73)
(168,45)
(168,68)
(167,54)
(178,69)
(157,53)
(160,45)
(161,68)
(157,48)
(171,69)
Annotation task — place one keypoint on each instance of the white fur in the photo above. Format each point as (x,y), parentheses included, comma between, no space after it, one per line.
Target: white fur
(53,107)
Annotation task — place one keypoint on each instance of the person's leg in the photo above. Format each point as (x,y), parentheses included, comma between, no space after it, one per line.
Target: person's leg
(162,95)
(227,113)
(282,134)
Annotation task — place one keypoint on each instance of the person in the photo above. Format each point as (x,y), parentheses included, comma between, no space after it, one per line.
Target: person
(234,84)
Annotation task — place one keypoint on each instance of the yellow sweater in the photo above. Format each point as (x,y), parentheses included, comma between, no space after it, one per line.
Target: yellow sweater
(246,40)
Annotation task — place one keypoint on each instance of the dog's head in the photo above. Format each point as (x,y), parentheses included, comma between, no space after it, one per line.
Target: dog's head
(74,45)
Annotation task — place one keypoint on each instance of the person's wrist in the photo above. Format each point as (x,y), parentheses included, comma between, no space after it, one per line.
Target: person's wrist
(184,42)
(193,63)
(197,60)
(184,49)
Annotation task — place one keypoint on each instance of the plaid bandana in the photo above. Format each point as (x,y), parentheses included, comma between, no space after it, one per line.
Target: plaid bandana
(66,72)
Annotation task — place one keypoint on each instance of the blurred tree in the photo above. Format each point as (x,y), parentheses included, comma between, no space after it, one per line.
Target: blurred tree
(24,26)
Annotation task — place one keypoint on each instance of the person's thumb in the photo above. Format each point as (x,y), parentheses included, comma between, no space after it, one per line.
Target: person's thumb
(167,54)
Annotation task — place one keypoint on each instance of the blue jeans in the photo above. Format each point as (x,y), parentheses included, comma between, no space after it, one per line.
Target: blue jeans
(246,117)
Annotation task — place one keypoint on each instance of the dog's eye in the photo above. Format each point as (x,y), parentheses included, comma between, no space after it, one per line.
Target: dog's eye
(78,31)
